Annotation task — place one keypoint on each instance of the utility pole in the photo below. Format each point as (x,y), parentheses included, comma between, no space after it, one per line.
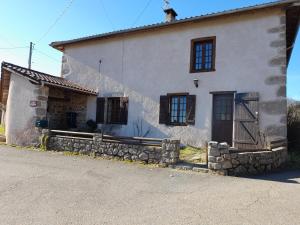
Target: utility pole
(30,55)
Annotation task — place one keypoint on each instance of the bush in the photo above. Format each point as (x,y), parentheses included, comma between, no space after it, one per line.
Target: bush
(293,127)
(92,125)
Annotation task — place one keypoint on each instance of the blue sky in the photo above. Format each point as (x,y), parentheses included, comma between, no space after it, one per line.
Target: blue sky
(49,20)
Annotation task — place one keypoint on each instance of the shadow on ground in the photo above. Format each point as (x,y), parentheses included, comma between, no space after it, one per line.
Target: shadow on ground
(284,176)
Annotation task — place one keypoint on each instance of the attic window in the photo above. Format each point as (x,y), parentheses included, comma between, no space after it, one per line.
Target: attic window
(203,53)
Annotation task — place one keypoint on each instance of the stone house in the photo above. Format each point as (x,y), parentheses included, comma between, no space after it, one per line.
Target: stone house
(220,76)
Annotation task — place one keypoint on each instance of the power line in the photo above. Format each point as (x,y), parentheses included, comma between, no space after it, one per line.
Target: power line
(142,12)
(106,14)
(56,21)
(45,54)
(11,48)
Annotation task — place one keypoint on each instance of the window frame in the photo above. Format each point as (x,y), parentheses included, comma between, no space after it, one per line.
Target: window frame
(193,54)
(102,115)
(178,95)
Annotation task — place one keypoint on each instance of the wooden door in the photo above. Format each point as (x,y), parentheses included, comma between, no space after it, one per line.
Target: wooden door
(247,135)
(222,124)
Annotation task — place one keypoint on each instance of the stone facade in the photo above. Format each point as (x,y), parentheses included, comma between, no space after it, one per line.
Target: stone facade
(167,153)
(62,101)
(225,160)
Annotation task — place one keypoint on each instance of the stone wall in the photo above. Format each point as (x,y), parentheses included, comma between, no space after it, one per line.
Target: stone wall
(225,160)
(62,101)
(167,153)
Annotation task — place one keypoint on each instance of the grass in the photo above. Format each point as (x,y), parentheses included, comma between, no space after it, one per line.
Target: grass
(2,129)
(194,155)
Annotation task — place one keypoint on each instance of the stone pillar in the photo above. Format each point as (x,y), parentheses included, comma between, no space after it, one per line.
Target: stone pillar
(219,159)
(170,151)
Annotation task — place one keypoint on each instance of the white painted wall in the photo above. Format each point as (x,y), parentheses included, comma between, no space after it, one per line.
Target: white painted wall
(146,65)
(19,119)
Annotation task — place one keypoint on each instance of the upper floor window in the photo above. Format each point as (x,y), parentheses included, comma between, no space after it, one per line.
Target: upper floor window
(203,53)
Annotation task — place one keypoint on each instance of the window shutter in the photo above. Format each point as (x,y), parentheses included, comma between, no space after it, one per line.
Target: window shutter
(246,120)
(124,110)
(164,109)
(100,110)
(191,109)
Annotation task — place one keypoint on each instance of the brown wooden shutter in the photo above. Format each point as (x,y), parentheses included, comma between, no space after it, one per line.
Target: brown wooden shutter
(246,121)
(100,110)
(124,110)
(164,109)
(191,109)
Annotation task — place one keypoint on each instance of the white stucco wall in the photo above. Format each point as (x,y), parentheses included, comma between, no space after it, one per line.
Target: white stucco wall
(146,65)
(20,117)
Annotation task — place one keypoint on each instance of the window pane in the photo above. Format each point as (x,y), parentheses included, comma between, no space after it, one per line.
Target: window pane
(203,55)
(113,110)
(178,109)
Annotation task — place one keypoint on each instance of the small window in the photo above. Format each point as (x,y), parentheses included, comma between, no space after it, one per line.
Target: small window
(177,109)
(116,109)
(203,55)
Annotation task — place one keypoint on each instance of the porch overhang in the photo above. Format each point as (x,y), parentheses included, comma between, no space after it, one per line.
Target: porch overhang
(40,78)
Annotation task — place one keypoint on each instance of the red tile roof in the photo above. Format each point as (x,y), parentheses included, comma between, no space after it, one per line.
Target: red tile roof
(47,79)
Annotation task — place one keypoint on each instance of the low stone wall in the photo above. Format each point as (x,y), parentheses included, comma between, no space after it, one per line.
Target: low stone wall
(226,161)
(167,153)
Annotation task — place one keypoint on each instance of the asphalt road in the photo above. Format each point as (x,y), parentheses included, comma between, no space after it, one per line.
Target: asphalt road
(46,188)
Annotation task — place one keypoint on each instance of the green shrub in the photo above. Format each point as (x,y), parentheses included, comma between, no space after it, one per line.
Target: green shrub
(293,127)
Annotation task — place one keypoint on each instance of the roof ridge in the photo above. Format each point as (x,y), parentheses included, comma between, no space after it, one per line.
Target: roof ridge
(56,44)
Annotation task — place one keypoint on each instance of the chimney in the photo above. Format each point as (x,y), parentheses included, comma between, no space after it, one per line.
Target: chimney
(170,14)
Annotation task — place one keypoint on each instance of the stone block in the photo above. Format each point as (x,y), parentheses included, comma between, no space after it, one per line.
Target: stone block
(214,166)
(211,159)
(40,111)
(42,98)
(235,162)
(213,152)
(278,43)
(276,80)
(233,155)
(127,157)
(252,170)
(226,164)
(219,159)
(233,149)
(115,151)
(240,170)
(277,29)
(143,156)
(213,144)
(223,145)
(281,92)
(227,156)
